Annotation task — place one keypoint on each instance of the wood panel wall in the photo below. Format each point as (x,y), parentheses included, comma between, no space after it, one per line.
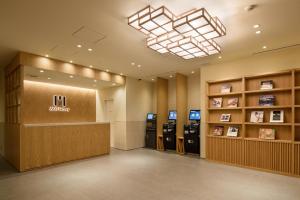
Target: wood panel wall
(181,104)
(47,145)
(162,105)
(38,98)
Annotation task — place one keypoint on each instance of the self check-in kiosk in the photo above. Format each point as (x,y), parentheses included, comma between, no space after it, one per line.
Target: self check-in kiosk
(192,133)
(150,138)
(169,131)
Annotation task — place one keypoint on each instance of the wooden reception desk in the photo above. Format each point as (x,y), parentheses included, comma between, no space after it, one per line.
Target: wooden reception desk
(47,144)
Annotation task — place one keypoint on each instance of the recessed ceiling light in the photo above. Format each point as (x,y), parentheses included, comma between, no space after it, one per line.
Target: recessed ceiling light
(258,32)
(192,72)
(71,61)
(91,66)
(47,55)
(264,47)
(171,76)
(79,45)
(41,71)
(121,74)
(95,81)
(139,66)
(220,57)
(153,79)
(113,84)
(49,78)
(132,63)
(71,76)
(256,26)
(90,49)
(107,70)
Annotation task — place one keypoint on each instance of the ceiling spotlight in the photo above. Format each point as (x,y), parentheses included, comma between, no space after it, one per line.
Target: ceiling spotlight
(113,84)
(107,70)
(71,61)
(171,76)
(121,74)
(91,66)
(139,66)
(71,76)
(256,26)
(46,55)
(41,71)
(95,81)
(250,7)
(132,63)
(264,47)
(90,49)
(49,78)
(258,32)
(192,72)
(153,79)
(79,45)
(220,57)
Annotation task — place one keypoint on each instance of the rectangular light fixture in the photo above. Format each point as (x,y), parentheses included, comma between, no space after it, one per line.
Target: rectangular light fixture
(188,36)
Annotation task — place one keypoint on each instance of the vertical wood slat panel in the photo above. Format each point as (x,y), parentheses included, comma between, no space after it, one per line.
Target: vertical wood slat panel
(297,159)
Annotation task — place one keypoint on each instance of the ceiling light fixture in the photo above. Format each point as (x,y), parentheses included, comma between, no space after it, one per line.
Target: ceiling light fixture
(46,55)
(95,81)
(79,45)
(71,61)
(258,32)
(153,79)
(132,63)
(113,84)
(139,66)
(220,57)
(91,66)
(49,78)
(107,70)
(191,35)
(121,74)
(264,47)
(42,71)
(193,72)
(256,26)
(171,76)
(71,76)
(90,49)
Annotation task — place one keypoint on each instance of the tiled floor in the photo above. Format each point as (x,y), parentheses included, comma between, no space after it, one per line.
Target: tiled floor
(145,174)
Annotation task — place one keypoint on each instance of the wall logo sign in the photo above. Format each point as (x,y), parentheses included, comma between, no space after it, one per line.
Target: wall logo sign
(59,104)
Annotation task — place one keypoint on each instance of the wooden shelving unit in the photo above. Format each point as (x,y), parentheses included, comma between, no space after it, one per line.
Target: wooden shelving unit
(281,155)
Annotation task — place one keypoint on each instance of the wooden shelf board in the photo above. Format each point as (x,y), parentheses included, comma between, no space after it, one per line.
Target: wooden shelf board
(225,94)
(233,123)
(268,91)
(225,108)
(267,107)
(268,74)
(261,140)
(268,124)
(297,142)
(297,87)
(224,81)
(224,137)
(297,124)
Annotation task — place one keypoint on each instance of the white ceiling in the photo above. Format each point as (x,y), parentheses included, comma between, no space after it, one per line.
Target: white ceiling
(55,27)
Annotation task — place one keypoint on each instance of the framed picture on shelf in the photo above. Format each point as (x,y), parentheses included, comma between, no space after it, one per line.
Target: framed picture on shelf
(226,88)
(232,102)
(266,100)
(267,133)
(277,116)
(218,131)
(232,131)
(266,85)
(225,117)
(217,102)
(257,117)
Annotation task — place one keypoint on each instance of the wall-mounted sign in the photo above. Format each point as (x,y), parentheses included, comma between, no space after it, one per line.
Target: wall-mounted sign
(59,104)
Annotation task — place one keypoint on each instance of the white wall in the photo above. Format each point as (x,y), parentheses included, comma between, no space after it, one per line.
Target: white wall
(2,111)
(172,94)
(193,82)
(256,64)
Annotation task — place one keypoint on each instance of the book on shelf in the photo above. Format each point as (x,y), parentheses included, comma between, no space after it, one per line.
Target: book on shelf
(267,133)
(266,85)
(232,102)
(217,102)
(218,131)
(266,100)
(226,88)
(277,116)
(225,117)
(232,131)
(257,116)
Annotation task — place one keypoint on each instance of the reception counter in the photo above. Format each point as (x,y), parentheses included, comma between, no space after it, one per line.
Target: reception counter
(51,143)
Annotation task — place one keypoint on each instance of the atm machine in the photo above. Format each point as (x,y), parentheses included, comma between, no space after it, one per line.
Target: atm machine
(150,138)
(192,133)
(169,131)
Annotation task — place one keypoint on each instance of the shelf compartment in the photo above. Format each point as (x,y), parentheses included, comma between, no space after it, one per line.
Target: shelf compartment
(215,87)
(281,132)
(297,133)
(215,115)
(266,119)
(225,101)
(268,124)
(282,98)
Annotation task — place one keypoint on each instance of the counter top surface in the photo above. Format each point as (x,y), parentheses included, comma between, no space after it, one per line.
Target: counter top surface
(65,124)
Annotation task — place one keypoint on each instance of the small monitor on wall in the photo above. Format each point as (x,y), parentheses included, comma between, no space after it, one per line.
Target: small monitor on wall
(150,116)
(172,115)
(195,115)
